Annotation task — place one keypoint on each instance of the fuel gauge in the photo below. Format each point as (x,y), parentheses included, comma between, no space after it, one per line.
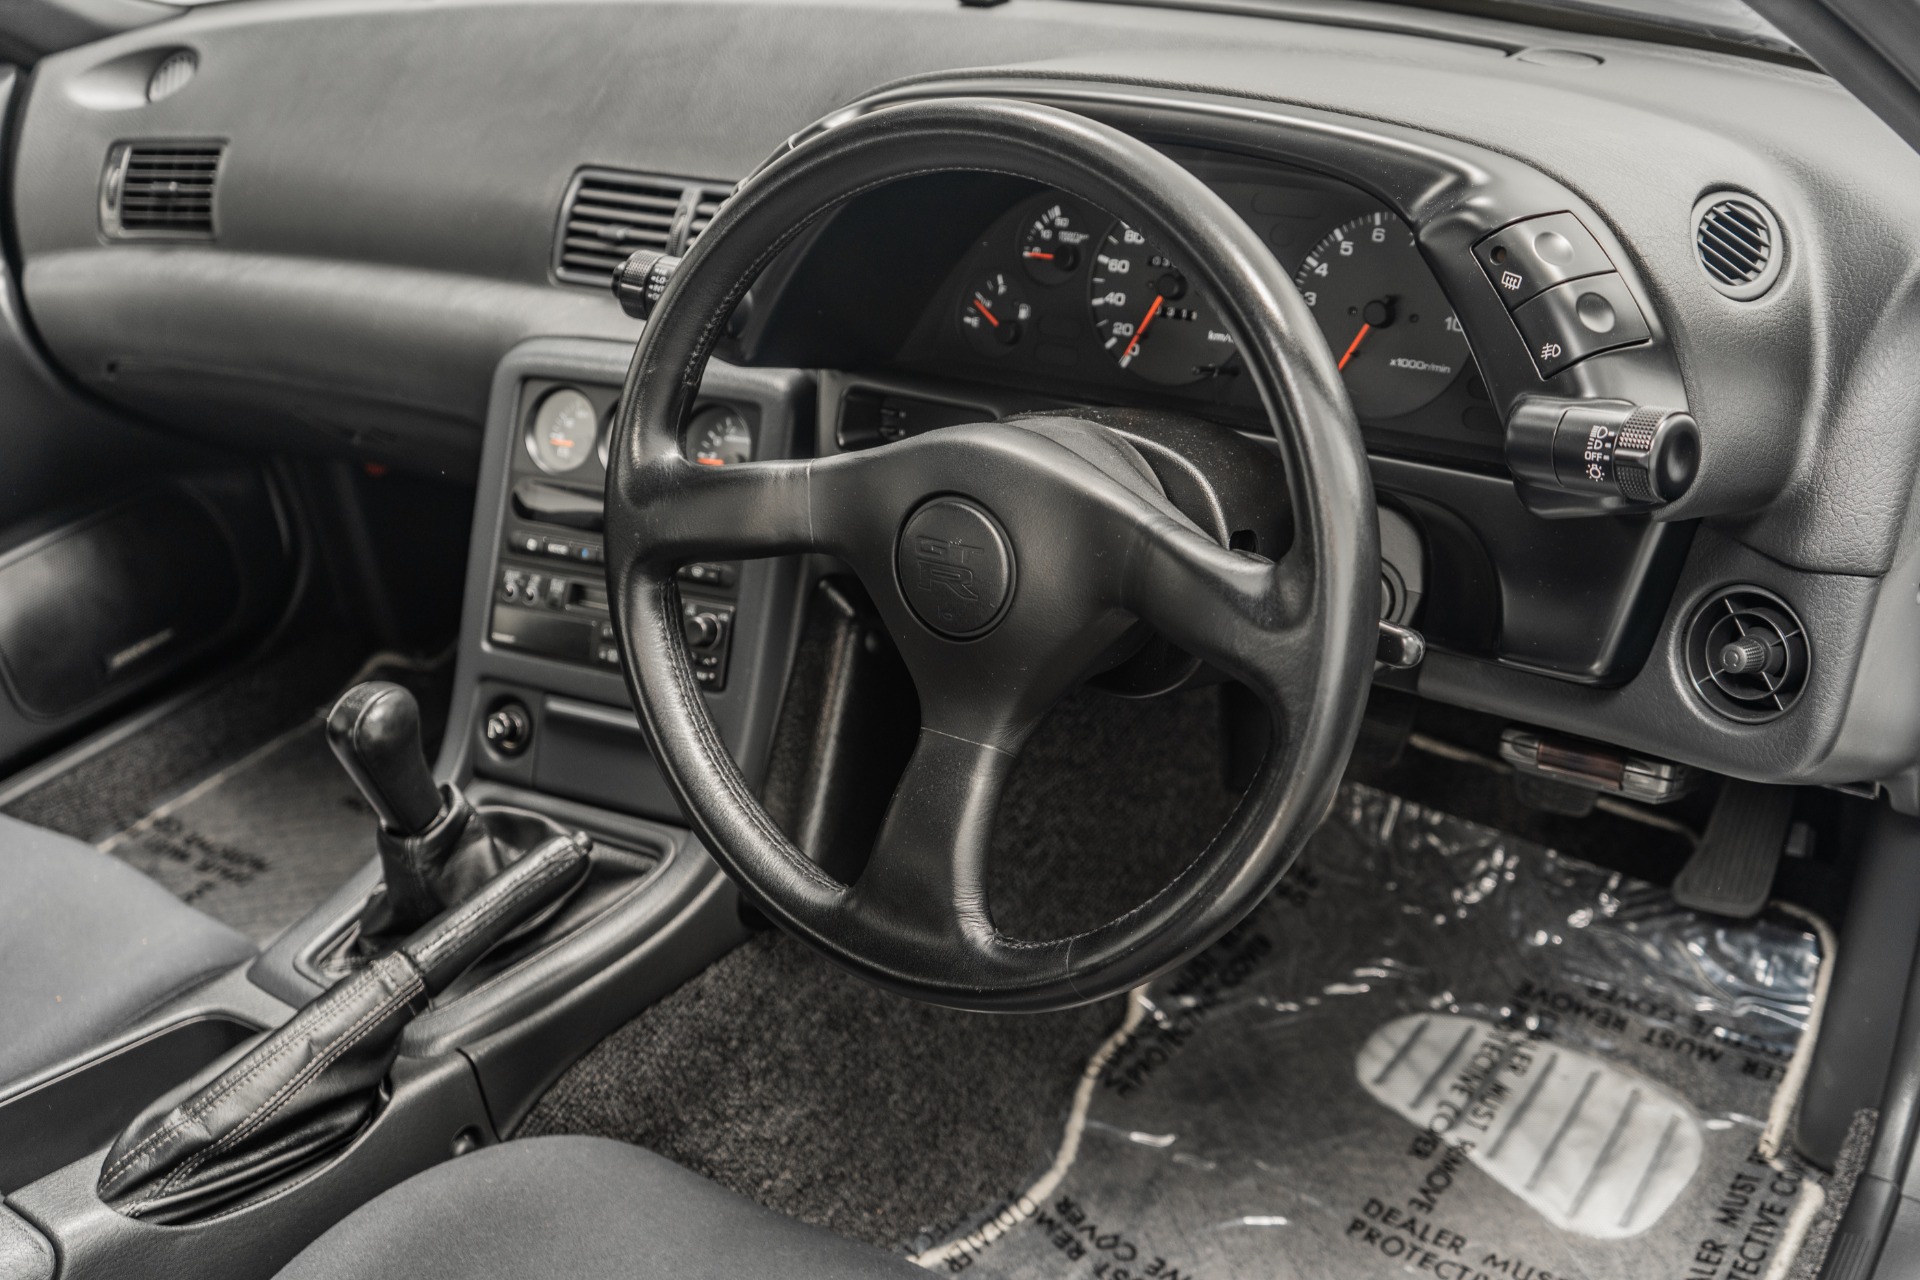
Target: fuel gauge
(994,316)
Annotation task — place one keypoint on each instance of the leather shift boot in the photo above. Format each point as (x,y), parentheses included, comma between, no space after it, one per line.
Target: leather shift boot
(423,875)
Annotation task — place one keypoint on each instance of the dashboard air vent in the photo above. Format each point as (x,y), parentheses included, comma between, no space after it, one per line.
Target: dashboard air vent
(160,190)
(609,213)
(1739,244)
(1747,654)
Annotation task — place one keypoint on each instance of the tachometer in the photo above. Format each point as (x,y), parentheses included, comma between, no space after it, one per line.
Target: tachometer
(1150,320)
(1392,329)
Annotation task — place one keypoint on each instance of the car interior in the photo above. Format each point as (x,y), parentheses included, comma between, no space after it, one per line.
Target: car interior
(1044,639)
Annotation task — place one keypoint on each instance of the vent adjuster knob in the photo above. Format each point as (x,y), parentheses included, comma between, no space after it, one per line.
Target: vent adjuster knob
(640,281)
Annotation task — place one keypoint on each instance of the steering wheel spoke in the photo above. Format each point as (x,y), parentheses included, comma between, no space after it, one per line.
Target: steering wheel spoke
(1249,616)
(688,512)
(925,880)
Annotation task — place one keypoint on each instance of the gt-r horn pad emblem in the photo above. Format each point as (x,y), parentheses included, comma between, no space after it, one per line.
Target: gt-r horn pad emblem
(955,567)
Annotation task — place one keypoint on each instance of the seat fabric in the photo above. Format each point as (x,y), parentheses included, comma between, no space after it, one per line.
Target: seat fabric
(88,946)
(584,1208)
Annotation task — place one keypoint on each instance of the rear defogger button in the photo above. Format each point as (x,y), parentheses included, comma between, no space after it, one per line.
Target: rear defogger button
(1529,257)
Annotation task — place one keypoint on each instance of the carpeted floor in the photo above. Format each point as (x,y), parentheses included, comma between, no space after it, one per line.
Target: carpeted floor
(116,787)
(781,1076)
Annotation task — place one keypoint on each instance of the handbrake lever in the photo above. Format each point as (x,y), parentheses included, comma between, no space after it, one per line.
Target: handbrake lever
(309,1087)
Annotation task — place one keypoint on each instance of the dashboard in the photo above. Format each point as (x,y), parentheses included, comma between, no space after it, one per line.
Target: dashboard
(1499,230)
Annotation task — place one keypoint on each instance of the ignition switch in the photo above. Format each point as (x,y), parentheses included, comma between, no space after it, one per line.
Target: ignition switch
(1608,455)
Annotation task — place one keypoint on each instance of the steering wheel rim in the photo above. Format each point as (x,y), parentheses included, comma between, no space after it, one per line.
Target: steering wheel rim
(1300,631)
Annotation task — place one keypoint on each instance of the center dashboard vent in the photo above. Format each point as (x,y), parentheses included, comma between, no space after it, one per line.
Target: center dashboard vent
(1747,654)
(609,213)
(1739,244)
(160,190)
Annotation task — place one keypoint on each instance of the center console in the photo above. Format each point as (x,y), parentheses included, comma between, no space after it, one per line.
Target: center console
(542,735)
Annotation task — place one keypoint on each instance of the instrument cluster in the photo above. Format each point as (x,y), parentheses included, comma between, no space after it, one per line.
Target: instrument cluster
(1060,291)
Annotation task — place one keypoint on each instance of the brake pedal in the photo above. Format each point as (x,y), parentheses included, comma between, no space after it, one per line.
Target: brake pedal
(1731,871)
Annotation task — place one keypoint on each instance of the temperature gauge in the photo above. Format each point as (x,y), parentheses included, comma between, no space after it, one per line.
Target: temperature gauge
(994,316)
(564,432)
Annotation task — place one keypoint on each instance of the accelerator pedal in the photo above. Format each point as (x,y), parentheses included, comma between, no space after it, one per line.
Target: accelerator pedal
(1731,872)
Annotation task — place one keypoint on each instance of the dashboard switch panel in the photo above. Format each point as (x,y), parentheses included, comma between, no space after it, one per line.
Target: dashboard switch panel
(1528,258)
(1569,322)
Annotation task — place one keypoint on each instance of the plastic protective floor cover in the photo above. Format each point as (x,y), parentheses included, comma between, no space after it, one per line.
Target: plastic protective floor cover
(1437,1050)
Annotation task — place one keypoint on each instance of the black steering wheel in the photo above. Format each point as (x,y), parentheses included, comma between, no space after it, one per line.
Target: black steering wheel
(1008,560)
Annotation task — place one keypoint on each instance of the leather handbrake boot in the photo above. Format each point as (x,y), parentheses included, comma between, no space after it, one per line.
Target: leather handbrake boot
(434,850)
(308,1088)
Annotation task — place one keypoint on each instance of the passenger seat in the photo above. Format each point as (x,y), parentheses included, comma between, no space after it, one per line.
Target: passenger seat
(89,946)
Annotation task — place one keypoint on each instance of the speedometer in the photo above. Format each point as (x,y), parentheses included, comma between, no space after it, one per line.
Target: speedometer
(1391,328)
(1150,319)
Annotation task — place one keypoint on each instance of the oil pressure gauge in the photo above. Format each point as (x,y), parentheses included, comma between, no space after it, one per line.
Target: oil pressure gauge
(719,436)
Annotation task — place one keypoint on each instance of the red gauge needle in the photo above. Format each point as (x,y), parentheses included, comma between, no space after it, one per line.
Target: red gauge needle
(982,308)
(1354,346)
(1141,330)
(1035,253)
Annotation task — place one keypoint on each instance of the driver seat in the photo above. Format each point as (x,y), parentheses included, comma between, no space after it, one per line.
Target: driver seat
(585,1208)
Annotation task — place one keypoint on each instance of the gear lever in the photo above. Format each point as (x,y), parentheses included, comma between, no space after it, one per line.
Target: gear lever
(435,851)
(375,730)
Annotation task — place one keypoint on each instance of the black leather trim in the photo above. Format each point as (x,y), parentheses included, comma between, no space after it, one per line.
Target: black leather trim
(306,1089)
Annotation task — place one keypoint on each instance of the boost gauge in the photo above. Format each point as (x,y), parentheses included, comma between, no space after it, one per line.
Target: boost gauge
(1055,243)
(1384,315)
(564,431)
(1150,320)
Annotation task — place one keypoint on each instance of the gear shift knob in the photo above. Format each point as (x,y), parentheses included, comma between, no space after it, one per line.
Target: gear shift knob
(375,730)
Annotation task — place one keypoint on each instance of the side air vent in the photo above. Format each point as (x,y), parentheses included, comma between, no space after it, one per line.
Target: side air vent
(607,214)
(1739,244)
(160,190)
(1747,654)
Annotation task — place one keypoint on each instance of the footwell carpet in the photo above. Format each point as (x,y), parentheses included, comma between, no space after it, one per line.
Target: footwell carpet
(260,842)
(1437,1050)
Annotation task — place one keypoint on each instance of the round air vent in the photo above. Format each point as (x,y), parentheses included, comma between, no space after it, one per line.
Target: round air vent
(1739,243)
(171,76)
(1747,654)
